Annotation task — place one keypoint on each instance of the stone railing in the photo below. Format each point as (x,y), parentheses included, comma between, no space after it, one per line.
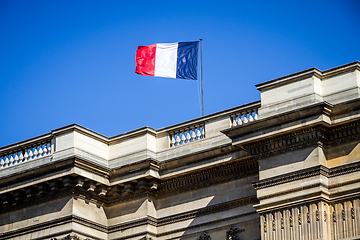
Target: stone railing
(192,131)
(25,151)
(187,135)
(244,116)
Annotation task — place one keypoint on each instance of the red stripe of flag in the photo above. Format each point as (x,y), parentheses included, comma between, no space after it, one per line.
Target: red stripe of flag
(145,60)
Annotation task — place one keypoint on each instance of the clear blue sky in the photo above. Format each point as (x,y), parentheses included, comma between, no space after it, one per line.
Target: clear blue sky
(64,62)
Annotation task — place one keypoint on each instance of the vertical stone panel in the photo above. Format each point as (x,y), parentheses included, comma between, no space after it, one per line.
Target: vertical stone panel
(323,222)
(334,232)
(313,218)
(297,223)
(287,234)
(277,216)
(349,230)
(356,218)
(262,226)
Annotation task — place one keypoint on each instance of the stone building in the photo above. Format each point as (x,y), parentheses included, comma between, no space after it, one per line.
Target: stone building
(284,167)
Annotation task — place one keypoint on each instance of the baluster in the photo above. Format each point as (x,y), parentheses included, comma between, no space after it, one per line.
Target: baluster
(21,156)
(198,133)
(30,153)
(36,153)
(11,159)
(193,135)
(16,158)
(45,149)
(6,161)
(256,114)
(1,162)
(26,155)
(40,150)
(183,136)
(203,131)
(240,122)
(188,137)
(234,123)
(49,148)
(245,118)
(173,141)
(251,119)
(177,138)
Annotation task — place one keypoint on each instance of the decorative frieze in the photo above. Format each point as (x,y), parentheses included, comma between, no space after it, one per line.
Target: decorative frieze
(281,144)
(306,173)
(208,177)
(204,236)
(313,136)
(232,233)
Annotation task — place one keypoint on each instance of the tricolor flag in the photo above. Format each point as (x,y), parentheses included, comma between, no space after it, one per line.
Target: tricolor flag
(171,60)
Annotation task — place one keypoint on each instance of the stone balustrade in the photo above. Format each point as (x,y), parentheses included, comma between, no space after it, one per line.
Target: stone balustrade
(187,135)
(26,151)
(196,130)
(243,117)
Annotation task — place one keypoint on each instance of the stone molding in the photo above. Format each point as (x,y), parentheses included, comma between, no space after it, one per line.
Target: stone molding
(71,236)
(205,178)
(204,236)
(320,135)
(292,190)
(306,173)
(232,233)
(102,194)
(144,221)
(315,185)
(189,227)
(186,215)
(304,138)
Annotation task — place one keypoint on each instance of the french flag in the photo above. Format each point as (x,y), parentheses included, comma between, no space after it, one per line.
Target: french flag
(170,60)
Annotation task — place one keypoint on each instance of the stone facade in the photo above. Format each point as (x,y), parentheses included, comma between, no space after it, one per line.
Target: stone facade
(284,167)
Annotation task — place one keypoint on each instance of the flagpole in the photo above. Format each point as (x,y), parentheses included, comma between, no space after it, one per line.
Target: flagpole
(202,90)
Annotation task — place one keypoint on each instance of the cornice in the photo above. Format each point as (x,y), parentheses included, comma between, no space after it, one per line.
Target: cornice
(306,173)
(300,139)
(309,73)
(53,223)
(36,227)
(315,185)
(208,177)
(293,176)
(318,136)
(105,195)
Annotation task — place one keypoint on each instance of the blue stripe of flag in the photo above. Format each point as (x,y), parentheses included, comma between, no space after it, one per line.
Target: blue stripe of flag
(187,58)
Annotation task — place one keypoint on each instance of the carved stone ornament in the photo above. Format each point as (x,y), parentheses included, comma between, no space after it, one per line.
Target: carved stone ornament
(232,234)
(71,236)
(204,236)
(146,238)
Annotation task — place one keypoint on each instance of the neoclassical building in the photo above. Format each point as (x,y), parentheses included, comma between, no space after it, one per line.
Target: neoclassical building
(284,167)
